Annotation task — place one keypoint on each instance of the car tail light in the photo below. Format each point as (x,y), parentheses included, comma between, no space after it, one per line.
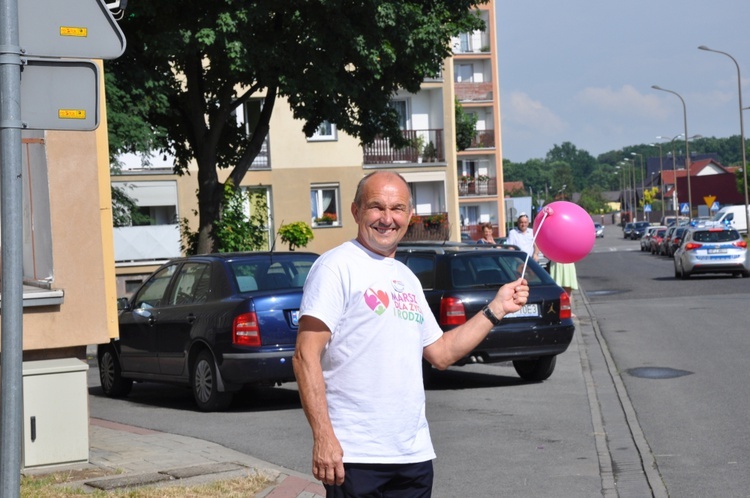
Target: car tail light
(452,311)
(740,243)
(565,311)
(692,245)
(676,242)
(245,330)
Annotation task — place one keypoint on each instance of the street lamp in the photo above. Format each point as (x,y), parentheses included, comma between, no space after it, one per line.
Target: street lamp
(687,147)
(643,185)
(742,130)
(630,171)
(661,178)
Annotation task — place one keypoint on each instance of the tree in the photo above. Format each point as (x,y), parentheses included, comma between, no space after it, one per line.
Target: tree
(592,200)
(193,66)
(465,127)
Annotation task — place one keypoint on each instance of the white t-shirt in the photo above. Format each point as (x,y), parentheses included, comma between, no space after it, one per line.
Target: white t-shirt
(380,323)
(524,240)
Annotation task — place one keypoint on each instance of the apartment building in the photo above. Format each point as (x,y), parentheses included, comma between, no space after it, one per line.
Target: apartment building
(303,178)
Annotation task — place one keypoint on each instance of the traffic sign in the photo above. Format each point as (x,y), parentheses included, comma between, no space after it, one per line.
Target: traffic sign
(709,199)
(715,206)
(60,95)
(72,28)
(647,208)
(684,208)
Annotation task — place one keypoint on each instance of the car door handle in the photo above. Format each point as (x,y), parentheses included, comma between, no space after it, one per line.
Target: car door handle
(191,318)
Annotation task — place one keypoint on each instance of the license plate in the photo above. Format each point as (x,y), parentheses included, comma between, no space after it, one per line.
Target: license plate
(528,310)
(717,251)
(295,318)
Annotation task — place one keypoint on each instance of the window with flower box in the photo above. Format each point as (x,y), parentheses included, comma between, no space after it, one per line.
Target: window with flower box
(325,206)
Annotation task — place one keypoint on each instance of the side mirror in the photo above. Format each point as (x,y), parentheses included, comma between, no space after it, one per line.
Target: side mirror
(123,304)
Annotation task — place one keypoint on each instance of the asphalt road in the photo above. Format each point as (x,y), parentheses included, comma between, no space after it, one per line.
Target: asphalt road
(681,348)
(678,346)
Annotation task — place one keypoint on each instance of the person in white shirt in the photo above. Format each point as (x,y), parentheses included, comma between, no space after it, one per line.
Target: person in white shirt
(364,328)
(523,237)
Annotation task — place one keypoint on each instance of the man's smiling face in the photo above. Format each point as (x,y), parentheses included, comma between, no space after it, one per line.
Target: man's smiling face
(383,214)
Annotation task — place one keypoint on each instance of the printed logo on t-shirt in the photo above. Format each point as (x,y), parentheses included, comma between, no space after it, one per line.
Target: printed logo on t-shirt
(406,307)
(377,300)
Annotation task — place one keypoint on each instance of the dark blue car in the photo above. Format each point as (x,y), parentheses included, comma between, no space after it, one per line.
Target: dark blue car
(214,322)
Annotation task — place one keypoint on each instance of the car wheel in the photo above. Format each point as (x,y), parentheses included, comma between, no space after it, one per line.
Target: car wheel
(113,383)
(204,383)
(536,370)
(683,274)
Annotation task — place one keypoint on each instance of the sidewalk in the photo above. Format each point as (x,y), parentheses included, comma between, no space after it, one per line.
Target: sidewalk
(123,456)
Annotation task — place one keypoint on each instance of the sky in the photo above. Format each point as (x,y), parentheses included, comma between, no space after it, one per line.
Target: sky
(581,71)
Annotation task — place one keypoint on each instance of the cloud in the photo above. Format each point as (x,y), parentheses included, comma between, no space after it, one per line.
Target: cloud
(627,101)
(520,110)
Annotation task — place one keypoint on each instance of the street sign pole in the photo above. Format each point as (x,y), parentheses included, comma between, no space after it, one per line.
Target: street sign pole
(11,304)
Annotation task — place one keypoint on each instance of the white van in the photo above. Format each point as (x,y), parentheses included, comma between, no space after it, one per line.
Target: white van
(732,216)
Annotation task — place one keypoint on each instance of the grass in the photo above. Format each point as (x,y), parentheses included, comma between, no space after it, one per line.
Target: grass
(53,486)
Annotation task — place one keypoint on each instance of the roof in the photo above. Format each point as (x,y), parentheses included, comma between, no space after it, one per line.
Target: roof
(510,187)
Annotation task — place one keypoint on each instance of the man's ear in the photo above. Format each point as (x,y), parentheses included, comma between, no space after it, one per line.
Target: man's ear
(355,212)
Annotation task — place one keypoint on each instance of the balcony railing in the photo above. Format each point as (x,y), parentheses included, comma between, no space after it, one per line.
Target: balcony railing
(488,187)
(468,91)
(146,243)
(433,226)
(484,139)
(382,152)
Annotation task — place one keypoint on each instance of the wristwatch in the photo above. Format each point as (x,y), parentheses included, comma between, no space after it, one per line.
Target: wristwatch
(487,312)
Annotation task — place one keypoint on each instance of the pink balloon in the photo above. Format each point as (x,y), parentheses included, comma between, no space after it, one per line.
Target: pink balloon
(567,233)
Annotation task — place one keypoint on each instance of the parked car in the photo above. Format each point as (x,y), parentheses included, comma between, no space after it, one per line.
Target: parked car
(668,220)
(459,281)
(466,238)
(214,323)
(627,230)
(657,237)
(711,250)
(646,239)
(639,228)
(599,230)
(662,251)
(675,240)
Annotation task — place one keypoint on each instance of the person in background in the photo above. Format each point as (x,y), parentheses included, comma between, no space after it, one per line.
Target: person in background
(487,237)
(523,237)
(565,276)
(364,328)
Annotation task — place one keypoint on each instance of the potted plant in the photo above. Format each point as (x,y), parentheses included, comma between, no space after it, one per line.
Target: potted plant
(418,144)
(430,152)
(326,219)
(296,234)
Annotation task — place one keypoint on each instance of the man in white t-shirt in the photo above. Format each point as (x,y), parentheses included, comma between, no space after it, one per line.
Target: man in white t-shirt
(523,237)
(364,328)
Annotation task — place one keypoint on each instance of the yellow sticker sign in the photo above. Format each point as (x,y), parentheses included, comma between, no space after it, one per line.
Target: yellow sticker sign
(71,113)
(709,200)
(74,31)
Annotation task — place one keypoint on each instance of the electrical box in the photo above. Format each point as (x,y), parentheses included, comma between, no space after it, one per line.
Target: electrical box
(55,412)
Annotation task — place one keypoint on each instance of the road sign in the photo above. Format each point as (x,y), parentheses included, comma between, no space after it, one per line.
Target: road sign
(709,199)
(647,208)
(60,95)
(71,28)
(684,208)
(715,206)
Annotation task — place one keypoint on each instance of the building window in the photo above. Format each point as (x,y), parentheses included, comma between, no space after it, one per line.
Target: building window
(325,132)
(324,204)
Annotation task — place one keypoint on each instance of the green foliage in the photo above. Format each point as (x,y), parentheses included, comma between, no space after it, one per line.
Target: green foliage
(296,234)
(649,196)
(189,67)
(430,152)
(234,231)
(465,127)
(592,200)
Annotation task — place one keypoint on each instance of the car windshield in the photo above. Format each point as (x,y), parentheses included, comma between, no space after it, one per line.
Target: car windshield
(716,236)
(493,270)
(267,274)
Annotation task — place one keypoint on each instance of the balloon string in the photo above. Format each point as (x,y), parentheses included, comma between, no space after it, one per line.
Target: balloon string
(533,242)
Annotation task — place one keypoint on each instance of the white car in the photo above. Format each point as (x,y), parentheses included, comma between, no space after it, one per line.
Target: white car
(711,250)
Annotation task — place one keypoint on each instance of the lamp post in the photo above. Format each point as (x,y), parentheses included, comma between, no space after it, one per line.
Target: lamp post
(630,172)
(687,147)
(742,129)
(643,184)
(661,178)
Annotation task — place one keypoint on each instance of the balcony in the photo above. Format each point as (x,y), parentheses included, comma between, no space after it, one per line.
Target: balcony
(484,139)
(477,187)
(146,243)
(468,91)
(434,226)
(381,151)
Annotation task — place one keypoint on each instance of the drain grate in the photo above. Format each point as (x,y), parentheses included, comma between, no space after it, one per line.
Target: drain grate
(657,372)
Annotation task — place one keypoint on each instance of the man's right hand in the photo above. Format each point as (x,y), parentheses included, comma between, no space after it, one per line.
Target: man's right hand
(328,463)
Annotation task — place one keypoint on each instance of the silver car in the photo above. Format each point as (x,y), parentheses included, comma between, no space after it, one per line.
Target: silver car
(711,250)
